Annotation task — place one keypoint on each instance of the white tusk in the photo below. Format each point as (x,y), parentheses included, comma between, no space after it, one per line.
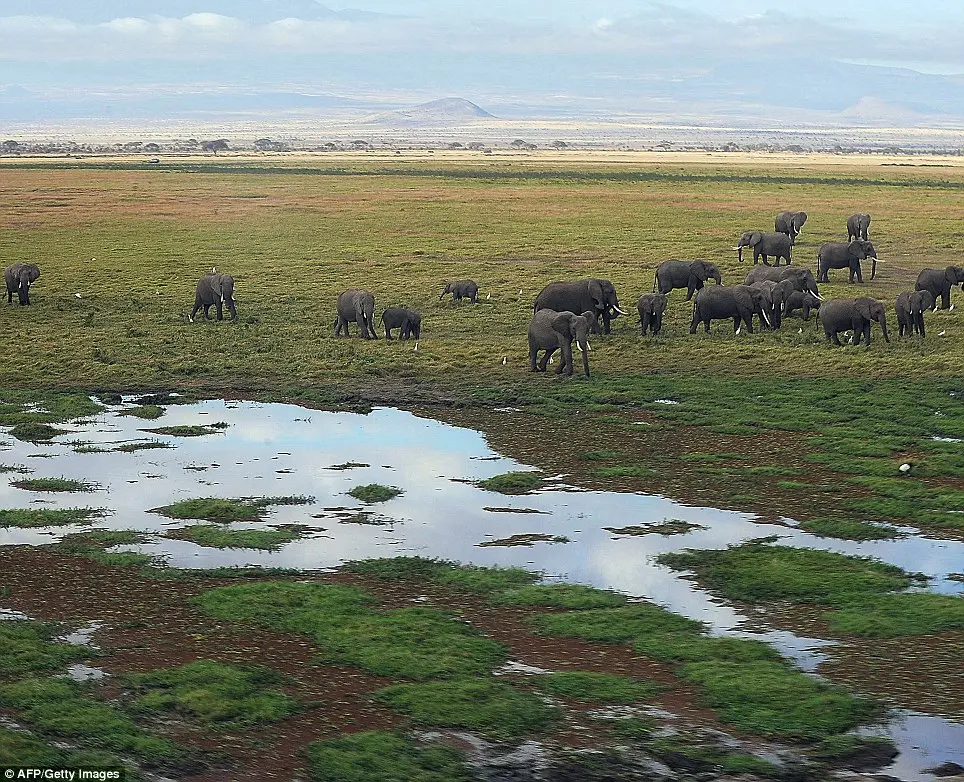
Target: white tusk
(619,310)
(737,248)
(580,347)
(818,297)
(550,360)
(738,329)
(588,346)
(766,318)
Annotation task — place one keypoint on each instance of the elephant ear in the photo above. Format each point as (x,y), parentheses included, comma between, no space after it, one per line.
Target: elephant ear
(563,324)
(799,219)
(756,238)
(661,301)
(863,306)
(700,270)
(927,299)
(595,290)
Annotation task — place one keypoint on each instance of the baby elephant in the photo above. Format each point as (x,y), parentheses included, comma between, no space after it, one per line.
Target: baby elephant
(804,301)
(408,322)
(551,331)
(910,308)
(19,278)
(651,307)
(216,289)
(461,289)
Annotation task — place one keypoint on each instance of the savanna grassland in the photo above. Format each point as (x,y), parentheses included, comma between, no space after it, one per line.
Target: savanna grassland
(256,674)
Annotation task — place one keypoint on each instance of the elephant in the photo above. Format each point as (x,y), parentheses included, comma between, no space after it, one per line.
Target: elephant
(841,255)
(356,306)
(740,302)
(937,282)
(856,314)
(461,289)
(779,245)
(790,223)
(651,307)
(857,226)
(408,322)
(910,306)
(19,278)
(217,289)
(801,279)
(551,331)
(685,274)
(774,300)
(588,295)
(804,301)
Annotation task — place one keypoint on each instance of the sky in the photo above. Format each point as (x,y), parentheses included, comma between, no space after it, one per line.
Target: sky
(513,50)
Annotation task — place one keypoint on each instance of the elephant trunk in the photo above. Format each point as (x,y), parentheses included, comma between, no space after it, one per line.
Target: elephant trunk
(882,320)
(739,253)
(719,278)
(585,356)
(873,268)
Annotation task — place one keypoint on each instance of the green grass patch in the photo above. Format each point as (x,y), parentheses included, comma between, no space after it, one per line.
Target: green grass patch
(686,754)
(35,432)
(139,445)
(23,407)
(22,750)
(147,412)
(771,699)
(48,517)
(399,568)
(598,456)
(216,536)
(614,625)
(570,596)
(596,687)
(375,492)
(630,728)
(856,752)
(28,647)
(227,510)
(848,529)
(54,484)
(493,708)
(485,580)
(213,694)
(756,572)
(62,709)
(15,468)
(891,616)
(693,647)
(378,756)
(512,482)
(184,430)
(666,527)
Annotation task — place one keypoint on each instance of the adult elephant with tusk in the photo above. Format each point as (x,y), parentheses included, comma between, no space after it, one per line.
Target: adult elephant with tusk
(774,300)
(19,277)
(593,295)
(356,306)
(910,306)
(790,223)
(214,289)
(777,244)
(852,314)
(739,302)
(938,282)
(801,279)
(857,226)
(691,275)
(843,255)
(551,331)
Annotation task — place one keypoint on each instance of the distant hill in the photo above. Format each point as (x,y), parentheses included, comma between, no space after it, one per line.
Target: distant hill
(442,112)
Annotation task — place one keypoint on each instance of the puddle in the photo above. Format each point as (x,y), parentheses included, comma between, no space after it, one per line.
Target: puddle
(442,513)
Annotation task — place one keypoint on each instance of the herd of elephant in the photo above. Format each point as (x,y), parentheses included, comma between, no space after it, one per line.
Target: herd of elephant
(567,312)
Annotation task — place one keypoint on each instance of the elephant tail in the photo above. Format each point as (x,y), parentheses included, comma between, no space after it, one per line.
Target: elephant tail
(655,278)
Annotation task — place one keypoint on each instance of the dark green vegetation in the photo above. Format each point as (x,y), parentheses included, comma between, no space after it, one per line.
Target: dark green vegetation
(863,592)
(668,527)
(147,412)
(571,596)
(512,482)
(19,749)
(493,708)
(48,517)
(596,687)
(376,756)
(216,536)
(213,694)
(53,484)
(188,431)
(689,754)
(848,529)
(140,445)
(227,510)
(29,647)
(35,432)
(94,544)
(374,492)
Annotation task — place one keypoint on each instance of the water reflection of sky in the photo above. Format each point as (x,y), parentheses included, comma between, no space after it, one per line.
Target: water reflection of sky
(274,449)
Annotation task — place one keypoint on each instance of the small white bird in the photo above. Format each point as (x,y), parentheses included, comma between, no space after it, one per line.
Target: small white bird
(800,330)
(905,467)
(77,296)
(941,333)
(416,347)
(520,291)
(505,360)
(488,296)
(952,308)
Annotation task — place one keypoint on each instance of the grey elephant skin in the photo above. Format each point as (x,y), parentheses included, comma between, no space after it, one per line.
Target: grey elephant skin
(461,289)
(551,331)
(790,223)
(408,322)
(356,306)
(651,307)
(858,226)
(938,282)
(802,301)
(774,300)
(765,245)
(801,279)
(846,255)
(910,307)
(691,275)
(214,289)
(592,294)
(852,314)
(19,277)
(739,302)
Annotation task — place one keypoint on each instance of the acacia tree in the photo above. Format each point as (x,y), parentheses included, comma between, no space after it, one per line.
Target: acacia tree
(218,145)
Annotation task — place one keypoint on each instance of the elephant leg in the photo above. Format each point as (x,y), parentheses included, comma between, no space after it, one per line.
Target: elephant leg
(860,276)
(643,325)
(696,319)
(920,325)
(197,306)
(219,308)
(736,323)
(836,339)
(545,359)
(388,334)
(607,328)
(565,366)
(946,298)
(533,350)
(207,312)
(763,256)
